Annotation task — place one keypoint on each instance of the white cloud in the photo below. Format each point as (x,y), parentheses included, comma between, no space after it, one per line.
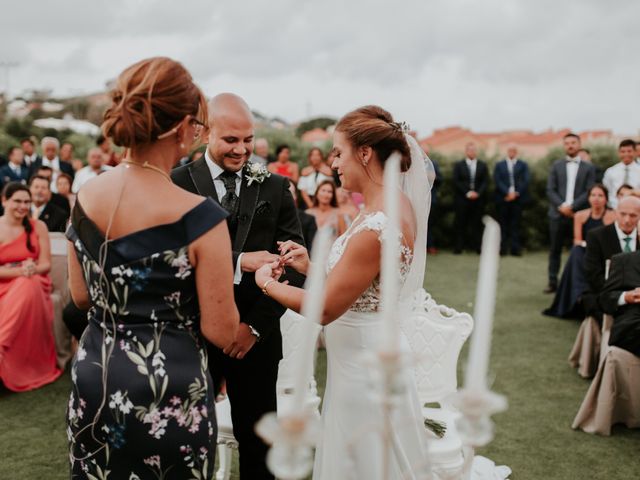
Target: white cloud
(486,65)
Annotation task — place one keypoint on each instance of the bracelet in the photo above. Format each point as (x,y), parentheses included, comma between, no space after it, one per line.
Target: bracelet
(266,284)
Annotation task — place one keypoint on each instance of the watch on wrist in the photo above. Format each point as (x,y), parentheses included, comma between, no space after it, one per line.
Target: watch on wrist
(254,332)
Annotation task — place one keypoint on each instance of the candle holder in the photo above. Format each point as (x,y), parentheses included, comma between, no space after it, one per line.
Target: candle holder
(292,438)
(477,406)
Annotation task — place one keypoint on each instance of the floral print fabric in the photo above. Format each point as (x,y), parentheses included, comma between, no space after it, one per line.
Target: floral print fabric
(142,404)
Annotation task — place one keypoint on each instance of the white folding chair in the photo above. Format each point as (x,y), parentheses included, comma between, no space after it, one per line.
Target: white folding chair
(60,296)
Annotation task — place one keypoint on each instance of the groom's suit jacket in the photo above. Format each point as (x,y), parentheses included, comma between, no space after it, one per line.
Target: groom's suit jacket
(266,215)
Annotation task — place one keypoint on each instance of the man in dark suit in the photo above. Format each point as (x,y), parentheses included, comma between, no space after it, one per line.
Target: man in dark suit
(55,198)
(470,181)
(567,189)
(605,242)
(512,178)
(41,208)
(50,147)
(261,214)
(621,298)
(14,171)
(31,157)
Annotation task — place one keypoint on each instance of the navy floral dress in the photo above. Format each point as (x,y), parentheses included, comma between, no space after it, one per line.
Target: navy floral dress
(142,404)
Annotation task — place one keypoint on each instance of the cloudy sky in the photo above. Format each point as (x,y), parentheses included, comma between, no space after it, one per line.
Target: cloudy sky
(487,65)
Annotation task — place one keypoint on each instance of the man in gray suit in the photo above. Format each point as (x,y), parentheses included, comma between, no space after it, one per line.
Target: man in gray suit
(567,189)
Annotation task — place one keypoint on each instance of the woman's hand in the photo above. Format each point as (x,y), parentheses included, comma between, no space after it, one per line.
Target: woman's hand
(28,268)
(294,255)
(269,271)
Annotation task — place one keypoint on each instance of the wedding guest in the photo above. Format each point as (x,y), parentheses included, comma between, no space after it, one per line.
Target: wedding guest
(567,186)
(625,172)
(27,348)
(347,206)
(56,199)
(261,215)
(623,191)
(261,152)
(31,158)
(109,157)
(434,213)
(64,184)
(313,175)
(95,166)
(66,153)
(42,209)
(325,208)
(283,164)
(50,147)
(142,398)
(470,181)
(585,156)
(604,242)
(307,222)
(511,176)
(15,170)
(567,301)
(620,297)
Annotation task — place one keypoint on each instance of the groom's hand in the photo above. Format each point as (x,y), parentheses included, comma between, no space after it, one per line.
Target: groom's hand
(252,261)
(244,342)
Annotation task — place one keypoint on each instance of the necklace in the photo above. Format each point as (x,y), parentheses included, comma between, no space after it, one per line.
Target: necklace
(148,166)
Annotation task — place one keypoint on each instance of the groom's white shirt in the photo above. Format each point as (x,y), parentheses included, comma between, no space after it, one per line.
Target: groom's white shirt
(216,170)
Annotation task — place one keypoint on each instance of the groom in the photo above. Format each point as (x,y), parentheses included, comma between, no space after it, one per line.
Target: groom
(261,214)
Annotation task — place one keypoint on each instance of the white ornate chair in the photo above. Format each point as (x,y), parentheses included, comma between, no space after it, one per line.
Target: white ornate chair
(291,357)
(60,296)
(436,334)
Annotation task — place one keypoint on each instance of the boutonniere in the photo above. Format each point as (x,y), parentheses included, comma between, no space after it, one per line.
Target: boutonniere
(256,172)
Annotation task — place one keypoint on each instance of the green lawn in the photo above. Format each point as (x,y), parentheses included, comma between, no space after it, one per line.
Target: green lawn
(534,437)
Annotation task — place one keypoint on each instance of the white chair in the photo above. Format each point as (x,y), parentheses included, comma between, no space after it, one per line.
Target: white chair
(291,357)
(60,296)
(436,335)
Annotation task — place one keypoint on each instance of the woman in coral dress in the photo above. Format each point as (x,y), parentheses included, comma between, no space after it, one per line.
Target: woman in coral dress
(27,351)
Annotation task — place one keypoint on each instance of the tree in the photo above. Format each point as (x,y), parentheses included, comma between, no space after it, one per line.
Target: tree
(319,122)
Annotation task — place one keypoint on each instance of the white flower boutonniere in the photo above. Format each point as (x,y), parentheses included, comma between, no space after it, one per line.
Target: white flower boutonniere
(255,172)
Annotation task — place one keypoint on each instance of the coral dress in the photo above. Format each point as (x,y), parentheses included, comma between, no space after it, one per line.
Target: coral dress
(26,322)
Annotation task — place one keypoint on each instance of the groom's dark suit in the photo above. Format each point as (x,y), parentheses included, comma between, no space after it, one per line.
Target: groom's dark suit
(266,214)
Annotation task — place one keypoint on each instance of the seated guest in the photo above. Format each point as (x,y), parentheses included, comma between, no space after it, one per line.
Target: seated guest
(27,349)
(15,170)
(347,206)
(95,166)
(109,157)
(566,303)
(307,222)
(50,158)
(325,208)
(57,199)
(620,297)
(313,175)
(624,191)
(42,209)
(64,183)
(31,157)
(603,243)
(283,164)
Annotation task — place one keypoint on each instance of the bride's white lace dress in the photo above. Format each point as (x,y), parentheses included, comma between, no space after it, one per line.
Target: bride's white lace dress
(351,446)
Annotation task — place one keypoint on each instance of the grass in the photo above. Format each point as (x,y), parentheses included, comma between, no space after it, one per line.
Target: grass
(529,362)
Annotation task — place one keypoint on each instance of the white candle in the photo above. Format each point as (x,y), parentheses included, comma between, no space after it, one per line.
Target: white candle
(390,266)
(480,349)
(312,308)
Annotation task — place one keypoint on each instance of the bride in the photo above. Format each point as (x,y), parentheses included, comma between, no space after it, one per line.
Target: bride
(351,446)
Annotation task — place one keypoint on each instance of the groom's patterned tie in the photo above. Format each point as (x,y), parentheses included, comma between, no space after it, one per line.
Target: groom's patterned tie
(230,201)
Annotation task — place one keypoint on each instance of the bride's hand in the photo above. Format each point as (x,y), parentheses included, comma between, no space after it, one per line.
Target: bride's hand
(294,255)
(269,271)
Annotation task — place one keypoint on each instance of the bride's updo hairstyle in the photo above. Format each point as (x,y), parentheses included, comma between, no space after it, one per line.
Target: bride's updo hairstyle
(150,98)
(374,127)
